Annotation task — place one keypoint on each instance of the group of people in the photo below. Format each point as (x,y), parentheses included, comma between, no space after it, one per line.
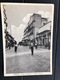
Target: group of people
(31,47)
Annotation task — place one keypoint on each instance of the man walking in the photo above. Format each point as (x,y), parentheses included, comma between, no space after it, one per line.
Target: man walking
(32,47)
(15,47)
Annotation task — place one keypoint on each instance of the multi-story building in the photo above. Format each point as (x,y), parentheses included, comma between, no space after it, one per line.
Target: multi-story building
(9,40)
(37,29)
(44,35)
(32,28)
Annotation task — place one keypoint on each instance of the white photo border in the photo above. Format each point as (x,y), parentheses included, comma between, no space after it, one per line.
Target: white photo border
(4,54)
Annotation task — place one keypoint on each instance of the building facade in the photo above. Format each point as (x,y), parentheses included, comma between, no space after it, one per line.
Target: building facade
(9,40)
(44,35)
(38,30)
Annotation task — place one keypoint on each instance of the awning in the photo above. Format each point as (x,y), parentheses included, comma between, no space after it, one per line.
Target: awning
(46,27)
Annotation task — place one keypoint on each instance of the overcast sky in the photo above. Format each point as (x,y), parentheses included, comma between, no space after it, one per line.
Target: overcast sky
(18,17)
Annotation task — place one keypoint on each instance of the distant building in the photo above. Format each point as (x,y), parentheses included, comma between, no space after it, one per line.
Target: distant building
(38,27)
(9,40)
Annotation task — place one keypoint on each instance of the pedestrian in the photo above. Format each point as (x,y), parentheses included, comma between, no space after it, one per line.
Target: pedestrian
(15,47)
(36,45)
(9,45)
(49,45)
(32,47)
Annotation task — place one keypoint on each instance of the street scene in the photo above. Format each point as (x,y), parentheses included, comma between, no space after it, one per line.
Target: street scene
(27,38)
(24,62)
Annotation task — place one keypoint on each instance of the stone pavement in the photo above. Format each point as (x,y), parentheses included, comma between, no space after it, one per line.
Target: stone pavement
(24,62)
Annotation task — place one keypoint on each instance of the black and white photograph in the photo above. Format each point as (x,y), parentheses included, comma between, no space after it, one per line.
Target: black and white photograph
(27,38)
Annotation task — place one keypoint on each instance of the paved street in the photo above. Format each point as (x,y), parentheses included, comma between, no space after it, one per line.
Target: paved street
(23,61)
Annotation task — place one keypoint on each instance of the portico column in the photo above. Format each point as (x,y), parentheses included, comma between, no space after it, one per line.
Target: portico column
(47,39)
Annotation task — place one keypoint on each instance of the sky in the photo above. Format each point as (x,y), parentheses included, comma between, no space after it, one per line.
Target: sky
(19,15)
